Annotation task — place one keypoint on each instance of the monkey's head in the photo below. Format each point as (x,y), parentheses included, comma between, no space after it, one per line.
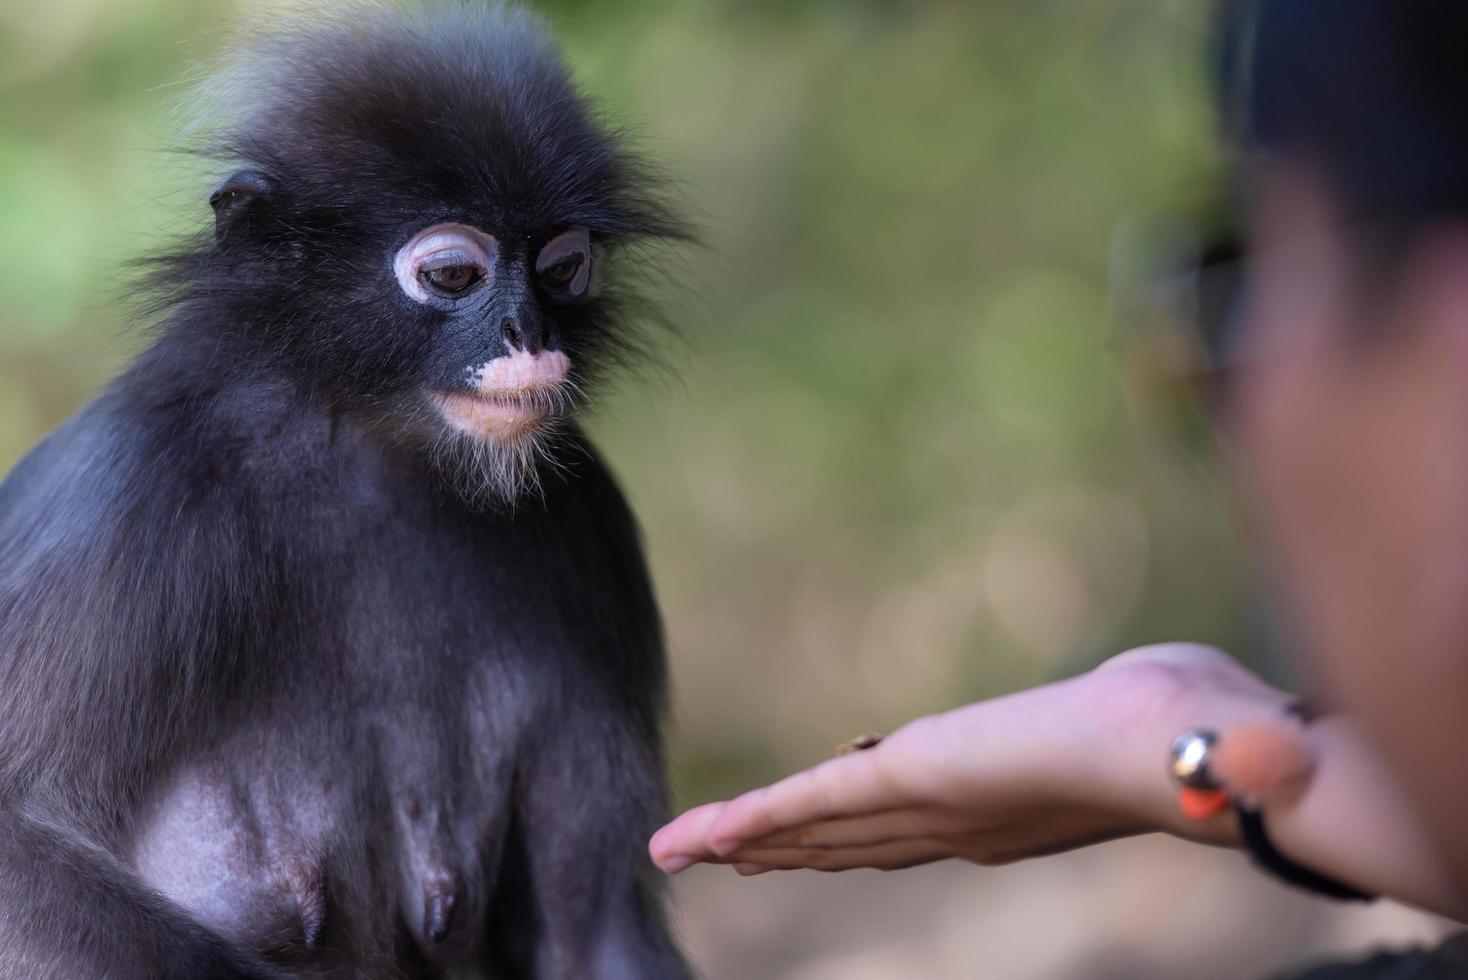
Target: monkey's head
(422,229)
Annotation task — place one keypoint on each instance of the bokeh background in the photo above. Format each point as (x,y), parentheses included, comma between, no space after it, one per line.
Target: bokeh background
(908,448)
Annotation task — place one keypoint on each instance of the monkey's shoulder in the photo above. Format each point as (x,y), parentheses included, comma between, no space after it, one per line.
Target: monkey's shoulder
(111,476)
(78,492)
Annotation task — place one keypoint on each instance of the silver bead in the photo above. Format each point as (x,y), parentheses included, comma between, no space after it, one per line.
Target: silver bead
(1190,754)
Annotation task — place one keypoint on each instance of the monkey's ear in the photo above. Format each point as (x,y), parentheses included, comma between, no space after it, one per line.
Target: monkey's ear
(242,200)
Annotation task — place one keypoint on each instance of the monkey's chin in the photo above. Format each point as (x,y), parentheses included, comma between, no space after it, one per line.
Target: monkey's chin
(495,445)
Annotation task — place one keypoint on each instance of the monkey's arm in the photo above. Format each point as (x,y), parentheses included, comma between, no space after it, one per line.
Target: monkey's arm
(99,591)
(597,895)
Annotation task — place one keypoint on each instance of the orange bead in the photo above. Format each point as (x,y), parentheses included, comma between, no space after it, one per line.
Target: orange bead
(1200,804)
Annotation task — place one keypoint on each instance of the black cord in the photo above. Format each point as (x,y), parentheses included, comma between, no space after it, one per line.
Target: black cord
(1267,856)
(1190,760)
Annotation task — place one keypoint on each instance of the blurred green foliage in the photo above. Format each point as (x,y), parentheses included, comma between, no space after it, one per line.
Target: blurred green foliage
(895,460)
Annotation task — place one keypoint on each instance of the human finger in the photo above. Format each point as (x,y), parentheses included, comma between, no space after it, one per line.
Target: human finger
(889,856)
(848,786)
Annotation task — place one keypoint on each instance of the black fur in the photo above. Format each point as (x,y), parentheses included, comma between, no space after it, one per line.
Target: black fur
(251,621)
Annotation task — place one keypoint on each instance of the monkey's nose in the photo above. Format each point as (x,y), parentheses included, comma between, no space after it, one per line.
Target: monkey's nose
(517,338)
(510,331)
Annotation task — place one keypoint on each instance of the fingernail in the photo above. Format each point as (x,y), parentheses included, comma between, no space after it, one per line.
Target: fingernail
(724,846)
(675,864)
(749,870)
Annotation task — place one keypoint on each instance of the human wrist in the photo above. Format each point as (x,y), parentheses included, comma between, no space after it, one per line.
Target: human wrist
(1353,821)
(1162,700)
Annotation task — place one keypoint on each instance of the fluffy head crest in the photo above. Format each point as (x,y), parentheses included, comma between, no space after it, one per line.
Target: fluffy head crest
(447,104)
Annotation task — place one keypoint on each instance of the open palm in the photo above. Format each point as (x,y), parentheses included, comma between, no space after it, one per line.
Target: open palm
(1032,773)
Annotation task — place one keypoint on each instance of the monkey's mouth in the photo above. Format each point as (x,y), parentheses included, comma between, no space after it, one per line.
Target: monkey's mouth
(501,417)
(512,398)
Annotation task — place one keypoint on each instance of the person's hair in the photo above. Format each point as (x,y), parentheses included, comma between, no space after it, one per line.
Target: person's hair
(1373,94)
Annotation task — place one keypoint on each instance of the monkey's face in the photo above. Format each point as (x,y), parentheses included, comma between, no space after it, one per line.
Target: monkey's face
(508,318)
(510,321)
(499,372)
(467,328)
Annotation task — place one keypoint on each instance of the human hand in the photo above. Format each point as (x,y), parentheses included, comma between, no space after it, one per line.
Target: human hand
(1032,773)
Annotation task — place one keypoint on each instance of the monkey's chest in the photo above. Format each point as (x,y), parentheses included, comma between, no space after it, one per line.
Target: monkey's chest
(354,815)
(329,836)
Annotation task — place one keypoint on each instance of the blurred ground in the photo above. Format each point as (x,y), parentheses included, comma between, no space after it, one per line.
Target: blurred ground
(898,459)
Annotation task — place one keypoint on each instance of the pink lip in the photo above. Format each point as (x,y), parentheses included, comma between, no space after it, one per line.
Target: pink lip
(511,397)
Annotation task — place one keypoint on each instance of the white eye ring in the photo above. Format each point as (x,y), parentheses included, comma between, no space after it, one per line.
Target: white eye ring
(474,245)
(571,244)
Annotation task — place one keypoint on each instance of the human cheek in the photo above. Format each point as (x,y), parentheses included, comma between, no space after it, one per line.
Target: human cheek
(1275,420)
(1300,432)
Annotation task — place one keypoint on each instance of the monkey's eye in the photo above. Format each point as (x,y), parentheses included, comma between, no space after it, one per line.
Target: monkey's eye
(451,280)
(563,273)
(564,265)
(444,263)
